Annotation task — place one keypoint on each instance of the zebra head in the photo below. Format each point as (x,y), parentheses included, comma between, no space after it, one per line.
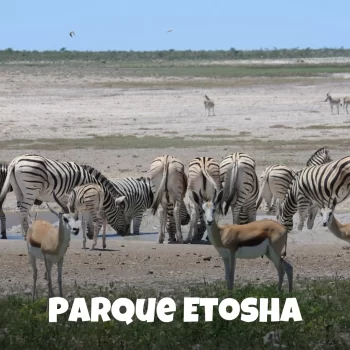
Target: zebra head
(120,225)
(327,211)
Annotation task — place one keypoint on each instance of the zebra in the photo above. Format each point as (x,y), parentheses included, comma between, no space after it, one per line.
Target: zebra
(276,179)
(208,105)
(88,199)
(168,176)
(274,183)
(3,173)
(203,178)
(315,185)
(241,187)
(333,101)
(346,102)
(140,194)
(35,177)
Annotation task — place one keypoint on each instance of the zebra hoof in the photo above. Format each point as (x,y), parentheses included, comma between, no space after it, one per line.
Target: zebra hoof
(104,246)
(3,237)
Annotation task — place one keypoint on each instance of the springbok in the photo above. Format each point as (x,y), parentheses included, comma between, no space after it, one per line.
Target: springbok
(208,105)
(49,243)
(248,241)
(333,101)
(341,231)
(346,102)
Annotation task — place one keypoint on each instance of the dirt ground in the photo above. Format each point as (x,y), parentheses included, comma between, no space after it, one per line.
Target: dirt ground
(58,102)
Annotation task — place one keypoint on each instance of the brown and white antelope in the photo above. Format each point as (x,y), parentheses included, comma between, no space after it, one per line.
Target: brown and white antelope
(333,101)
(49,243)
(208,105)
(341,231)
(249,241)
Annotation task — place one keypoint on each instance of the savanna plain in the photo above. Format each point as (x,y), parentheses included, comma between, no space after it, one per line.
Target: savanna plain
(117,117)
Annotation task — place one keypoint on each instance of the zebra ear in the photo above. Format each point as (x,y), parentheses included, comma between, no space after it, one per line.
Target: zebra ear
(196,198)
(120,201)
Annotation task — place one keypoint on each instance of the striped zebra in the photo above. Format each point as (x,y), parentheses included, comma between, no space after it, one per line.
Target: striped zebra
(35,177)
(315,185)
(88,200)
(208,105)
(276,179)
(169,184)
(3,173)
(333,101)
(241,187)
(203,178)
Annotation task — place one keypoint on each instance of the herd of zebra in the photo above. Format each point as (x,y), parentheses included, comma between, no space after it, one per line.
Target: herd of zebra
(35,179)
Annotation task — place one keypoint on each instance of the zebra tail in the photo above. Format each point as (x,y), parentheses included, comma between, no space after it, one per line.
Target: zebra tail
(207,97)
(7,183)
(160,192)
(231,185)
(210,179)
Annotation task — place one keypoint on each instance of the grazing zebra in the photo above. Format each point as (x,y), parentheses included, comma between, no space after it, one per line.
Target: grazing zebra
(168,177)
(315,185)
(346,102)
(208,105)
(36,177)
(3,173)
(88,200)
(241,187)
(276,179)
(333,101)
(203,178)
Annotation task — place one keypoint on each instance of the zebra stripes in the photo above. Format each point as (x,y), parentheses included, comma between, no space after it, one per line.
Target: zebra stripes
(241,187)
(203,178)
(315,185)
(274,183)
(276,179)
(3,174)
(169,185)
(35,177)
(321,156)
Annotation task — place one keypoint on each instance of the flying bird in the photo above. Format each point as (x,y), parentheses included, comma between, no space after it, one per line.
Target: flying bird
(71,34)
(170,30)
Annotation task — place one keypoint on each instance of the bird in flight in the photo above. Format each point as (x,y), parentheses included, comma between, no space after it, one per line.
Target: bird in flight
(170,30)
(71,34)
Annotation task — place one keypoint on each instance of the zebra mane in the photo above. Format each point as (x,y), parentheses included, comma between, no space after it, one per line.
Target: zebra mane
(103,180)
(316,153)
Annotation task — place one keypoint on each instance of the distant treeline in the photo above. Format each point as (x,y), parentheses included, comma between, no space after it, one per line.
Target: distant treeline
(170,55)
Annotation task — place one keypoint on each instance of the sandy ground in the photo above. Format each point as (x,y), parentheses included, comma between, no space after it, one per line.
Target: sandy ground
(60,102)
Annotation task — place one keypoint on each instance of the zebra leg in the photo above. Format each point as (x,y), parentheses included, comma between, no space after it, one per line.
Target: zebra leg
(213,111)
(163,218)
(179,238)
(302,216)
(3,223)
(312,215)
(251,215)
(104,229)
(83,226)
(235,214)
(137,219)
(96,231)
(193,223)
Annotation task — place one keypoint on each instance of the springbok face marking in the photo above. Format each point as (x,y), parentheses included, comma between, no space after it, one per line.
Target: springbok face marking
(209,207)
(327,211)
(71,223)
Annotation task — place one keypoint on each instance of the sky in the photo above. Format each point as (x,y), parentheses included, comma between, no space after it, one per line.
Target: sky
(142,25)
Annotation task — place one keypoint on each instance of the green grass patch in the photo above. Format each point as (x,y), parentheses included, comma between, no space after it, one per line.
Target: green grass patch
(157,142)
(324,127)
(324,307)
(280,126)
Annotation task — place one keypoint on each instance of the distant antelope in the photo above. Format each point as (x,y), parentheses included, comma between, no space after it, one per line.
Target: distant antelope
(346,102)
(333,101)
(208,105)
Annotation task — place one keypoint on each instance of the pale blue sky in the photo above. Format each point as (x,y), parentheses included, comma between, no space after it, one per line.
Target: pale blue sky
(143,24)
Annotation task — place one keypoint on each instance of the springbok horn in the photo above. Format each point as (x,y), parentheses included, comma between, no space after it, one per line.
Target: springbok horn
(52,211)
(63,206)
(200,193)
